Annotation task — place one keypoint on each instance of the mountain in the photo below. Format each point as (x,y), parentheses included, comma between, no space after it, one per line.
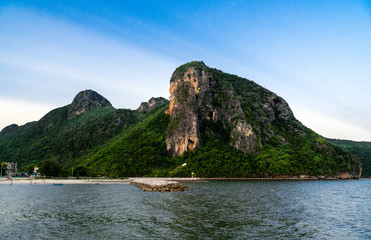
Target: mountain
(362,150)
(219,124)
(211,108)
(71,133)
(86,101)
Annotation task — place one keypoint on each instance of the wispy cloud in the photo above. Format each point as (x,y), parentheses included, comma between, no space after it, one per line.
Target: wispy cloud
(57,59)
(315,55)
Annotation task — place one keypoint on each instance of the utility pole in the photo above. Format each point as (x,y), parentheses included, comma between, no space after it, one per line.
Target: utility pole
(35,169)
(10,172)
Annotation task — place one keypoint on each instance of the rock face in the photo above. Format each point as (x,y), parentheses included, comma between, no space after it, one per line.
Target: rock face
(86,101)
(346,175)
(200,95)
(184,130)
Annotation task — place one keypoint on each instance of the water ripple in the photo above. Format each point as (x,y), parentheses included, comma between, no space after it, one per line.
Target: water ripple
(212,210)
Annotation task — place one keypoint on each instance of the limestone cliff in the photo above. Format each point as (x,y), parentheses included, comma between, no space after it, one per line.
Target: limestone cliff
(207,104)
(200,94)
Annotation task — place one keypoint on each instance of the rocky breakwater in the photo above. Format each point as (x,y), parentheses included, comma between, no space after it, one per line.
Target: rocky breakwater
(158,185)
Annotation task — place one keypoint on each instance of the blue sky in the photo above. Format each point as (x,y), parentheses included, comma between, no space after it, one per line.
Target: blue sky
(315,54)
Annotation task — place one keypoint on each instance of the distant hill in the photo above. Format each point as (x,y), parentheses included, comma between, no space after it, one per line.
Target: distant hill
(219,124)
(362,150)
(72,133)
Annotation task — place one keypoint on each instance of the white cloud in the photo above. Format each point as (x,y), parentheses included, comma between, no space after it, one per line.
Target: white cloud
(56,60)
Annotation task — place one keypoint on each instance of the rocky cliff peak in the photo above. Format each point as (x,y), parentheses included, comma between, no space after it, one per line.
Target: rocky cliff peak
(201,96)
(85,101)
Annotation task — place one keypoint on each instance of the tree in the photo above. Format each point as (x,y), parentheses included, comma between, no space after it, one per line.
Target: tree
(30,168)
(81,171)
(50,168)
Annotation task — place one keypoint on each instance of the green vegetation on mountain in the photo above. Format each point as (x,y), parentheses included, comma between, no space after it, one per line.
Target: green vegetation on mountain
(362,150)
(219,124)
(137,151)
(68,141)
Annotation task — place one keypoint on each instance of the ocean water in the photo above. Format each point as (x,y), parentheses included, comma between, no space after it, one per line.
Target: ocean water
(212,210)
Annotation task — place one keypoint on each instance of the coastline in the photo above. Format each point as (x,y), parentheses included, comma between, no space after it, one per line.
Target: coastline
(62,181)
(153,180)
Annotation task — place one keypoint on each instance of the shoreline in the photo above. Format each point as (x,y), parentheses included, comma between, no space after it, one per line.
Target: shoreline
(29,181)
(62,181)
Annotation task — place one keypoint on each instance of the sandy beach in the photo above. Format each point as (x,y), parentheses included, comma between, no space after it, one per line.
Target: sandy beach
(63,181)
(149,181)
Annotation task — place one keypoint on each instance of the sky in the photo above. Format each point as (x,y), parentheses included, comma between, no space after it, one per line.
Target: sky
(314,54)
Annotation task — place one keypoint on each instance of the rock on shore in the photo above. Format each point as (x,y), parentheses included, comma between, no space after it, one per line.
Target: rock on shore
(158,185)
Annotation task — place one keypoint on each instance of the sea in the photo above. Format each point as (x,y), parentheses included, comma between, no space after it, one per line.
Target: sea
(211,210)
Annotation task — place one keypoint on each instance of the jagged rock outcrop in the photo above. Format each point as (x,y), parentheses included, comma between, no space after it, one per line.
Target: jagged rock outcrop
(151,104)
(200,94)
(86,101)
